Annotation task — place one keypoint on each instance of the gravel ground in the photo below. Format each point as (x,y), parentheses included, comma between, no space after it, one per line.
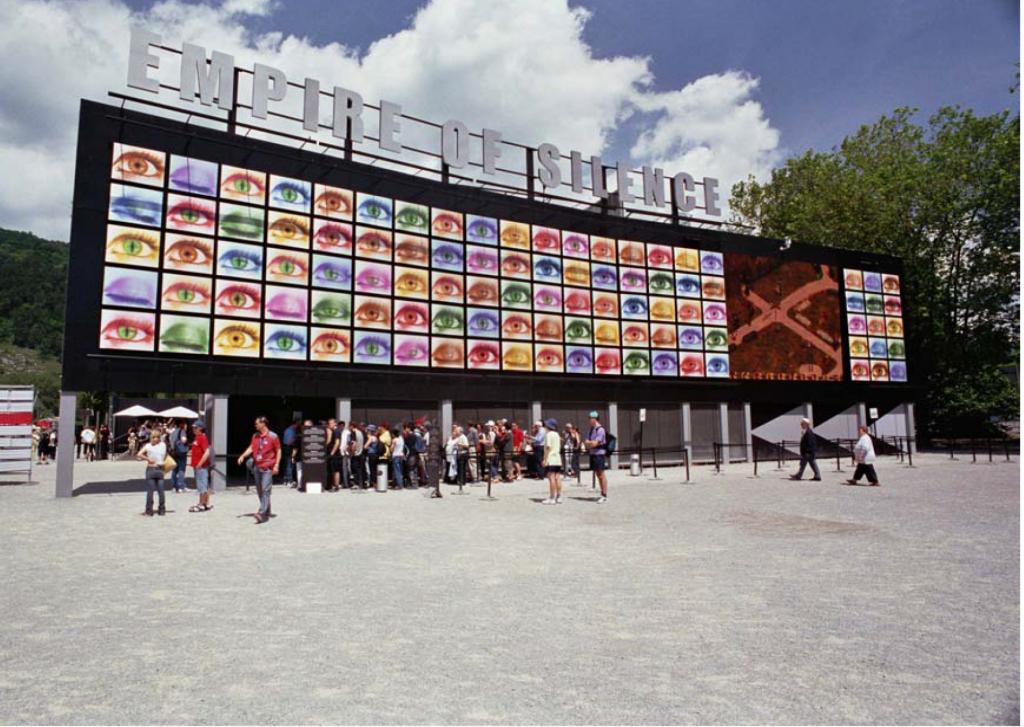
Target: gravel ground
(728,600)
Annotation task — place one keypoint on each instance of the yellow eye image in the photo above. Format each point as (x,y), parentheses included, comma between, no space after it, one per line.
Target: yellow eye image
(288,230)
(232,338)
(130,246)
(411,283)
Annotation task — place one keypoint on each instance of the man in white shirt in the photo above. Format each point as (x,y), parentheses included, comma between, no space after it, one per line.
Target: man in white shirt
(864,456)
(89,440)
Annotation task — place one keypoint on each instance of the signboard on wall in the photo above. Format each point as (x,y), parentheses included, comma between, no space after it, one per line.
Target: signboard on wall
(16,408)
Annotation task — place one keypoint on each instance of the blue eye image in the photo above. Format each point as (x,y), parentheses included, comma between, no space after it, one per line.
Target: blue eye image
(634,307)
(141,206)
(691,338)
(547,269)
(873,282)
(717,366)
(240,261)
(855,302)
(372,348)
(482,323)
(579,360)
(878,348)
(332,272)
(482,229)
(447,256)
(711,262)
(604,277)
(897,371)
(687,286)
(291,194)
(374,210)
(285,342)
(665,364)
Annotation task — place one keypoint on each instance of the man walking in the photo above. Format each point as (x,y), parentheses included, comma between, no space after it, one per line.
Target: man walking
(864,456)
(808,452)
(265,449)
(597,444)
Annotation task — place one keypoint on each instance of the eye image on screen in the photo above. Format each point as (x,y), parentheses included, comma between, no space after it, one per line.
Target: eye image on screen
(860,370)
(603,250)
(663,309)
(236,338)
(878,335)
(515,234)
(447,353)
(243,185)
(241,222)
(331,309)
(129,288)
(193,176)
(547,298)
(332,237)
(579,360)
(635,307)
(891,284)
(636,363)
(606,305)
(285,342)
(547,328)
(515,325)
(482,230)
(577,302)
(515,294)
(631,253)
(285,304)
(687,260)
(516,356)
(132,246)
(897,371)
(711,263)
(576,245)
(547,269)
(579,331)
(235,260)
(447,224)
(858,347)
(515,265)
(127,330)
(879,370)
(606,333)
(716,365)
(191,214)
(373,277)
(374,244)
(691,364)
(288,230)
(412,283)
(663,336)
(238,299)
(186,294)
(184,334)
(661,283)
(664,363)
(332,272)
(332,202)
(412,350)
(607,361)
(447,255)
(294,195)
(372,312)
(412,250)
(576,272)
(371,348)
(481,260)
(549,358)
(483,355)
(331,345)
(482,323)
(688,285)
(547,240)
(413,218)
(411,317)
(659,256)
(605,277)
(188,254)
(447,320)
(876,326)
(135,205)
(138,165)
(635,335)
(482,291)
(853,279)
(447,287)
(287,266)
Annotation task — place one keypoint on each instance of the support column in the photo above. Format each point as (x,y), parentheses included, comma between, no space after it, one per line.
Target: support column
(447,419)
(862,414)
(809,412)
(66,445)
(684,414)
(908,413)
(536,411)
(723,419)
(613,421)
(748,434)
(217,426)
(343,410)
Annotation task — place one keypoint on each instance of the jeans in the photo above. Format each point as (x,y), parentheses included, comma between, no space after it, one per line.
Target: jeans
(154,480)
(264,484)
(576,461)
(809,459)
(359,470)
(397,467)
(286,457)
(867,470)
(178,475)
(346,469)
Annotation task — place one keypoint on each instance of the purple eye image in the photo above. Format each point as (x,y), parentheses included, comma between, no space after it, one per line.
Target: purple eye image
(579,360)
(665,364)
(193,175)
(575,245)
(129,288)
(691,338)
(873,282)
(482,260)
(857,325)
(546,298)
(633,279)
(286,304)
(412,350)
(897,371)
(483,230)
(332,272)
(604,277)
(712,262)
(714,313)
(373,277)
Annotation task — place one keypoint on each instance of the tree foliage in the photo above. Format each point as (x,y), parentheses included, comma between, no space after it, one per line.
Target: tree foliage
(944,197)
(33,273)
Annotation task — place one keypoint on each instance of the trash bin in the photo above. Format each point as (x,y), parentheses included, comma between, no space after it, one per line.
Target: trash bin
(382,477)
(634,465)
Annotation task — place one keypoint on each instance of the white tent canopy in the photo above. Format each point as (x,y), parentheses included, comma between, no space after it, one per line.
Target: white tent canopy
(136,411)
(179,412)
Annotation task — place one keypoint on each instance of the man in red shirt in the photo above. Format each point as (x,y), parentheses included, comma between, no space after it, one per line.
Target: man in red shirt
(518,440)
(265,449)
(201,466)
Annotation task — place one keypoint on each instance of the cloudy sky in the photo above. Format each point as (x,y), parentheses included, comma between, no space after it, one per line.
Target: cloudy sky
(724,89)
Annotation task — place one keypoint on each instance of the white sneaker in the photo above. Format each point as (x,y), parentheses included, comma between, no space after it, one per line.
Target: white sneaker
(558,500)
(548,501)
(602,500)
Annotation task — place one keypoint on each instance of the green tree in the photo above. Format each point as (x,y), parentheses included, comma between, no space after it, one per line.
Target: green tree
(945,198)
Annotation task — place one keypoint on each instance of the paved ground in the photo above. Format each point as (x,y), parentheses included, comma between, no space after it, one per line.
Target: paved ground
(730,600)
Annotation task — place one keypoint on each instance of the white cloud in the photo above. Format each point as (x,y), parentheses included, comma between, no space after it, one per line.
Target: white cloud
(522,68)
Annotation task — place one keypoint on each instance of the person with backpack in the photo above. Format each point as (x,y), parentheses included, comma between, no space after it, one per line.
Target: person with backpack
(598,445)
(180,448)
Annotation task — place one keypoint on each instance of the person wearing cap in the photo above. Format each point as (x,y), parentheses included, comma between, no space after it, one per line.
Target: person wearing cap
(200,452)
(539,436)
(487,447)
(551,460)
(597,444)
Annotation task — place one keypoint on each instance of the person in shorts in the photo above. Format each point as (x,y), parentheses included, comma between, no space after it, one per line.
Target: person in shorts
(200,454)
(551,462)
(265,449)
(597,444)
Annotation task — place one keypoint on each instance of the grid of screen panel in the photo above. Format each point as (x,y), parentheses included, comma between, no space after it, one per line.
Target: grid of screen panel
(208,259)
(874,322)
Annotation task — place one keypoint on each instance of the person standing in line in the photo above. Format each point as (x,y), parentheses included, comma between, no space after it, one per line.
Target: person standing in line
(265,449)
(539,439)
(201,467)
(489,443)
(518,441)
(409,439)
(398,458)
(179,451)
(375,449)
(473,437)
(331,455)
(287,442)
(864,456)
(572,451)
(384,435)
(808,452)
(105,442)
(133,441)
(551,460)
(597,444)
(42,439)
(357,452)
(154,454)
(89,443)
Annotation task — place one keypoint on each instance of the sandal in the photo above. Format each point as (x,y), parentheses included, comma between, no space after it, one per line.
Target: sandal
(207,508)
(196,508)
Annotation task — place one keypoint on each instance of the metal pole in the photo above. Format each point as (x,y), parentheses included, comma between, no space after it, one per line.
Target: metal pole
(686,460)
(778,453)
(974,454)
(1006,447)
(839,466)
(910,455)
(718,451)
(755,462)
(989,442)
(654,463)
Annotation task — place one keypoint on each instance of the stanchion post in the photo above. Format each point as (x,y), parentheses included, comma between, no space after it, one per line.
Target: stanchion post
(974,453)
(951,448)
(755,462)
(910,455)
(1006,447)
(839,453)
(686,461)
(654,463)
(988,441)
(718,454)
(778,454)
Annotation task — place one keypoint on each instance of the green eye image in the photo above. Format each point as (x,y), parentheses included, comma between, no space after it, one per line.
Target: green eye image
(577,331)
(637,363)
(184,335)
(516,295)
(447,321)
(242,222)
(874,303)
(661,283)
(412,218)
(331,308)
(716,338)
